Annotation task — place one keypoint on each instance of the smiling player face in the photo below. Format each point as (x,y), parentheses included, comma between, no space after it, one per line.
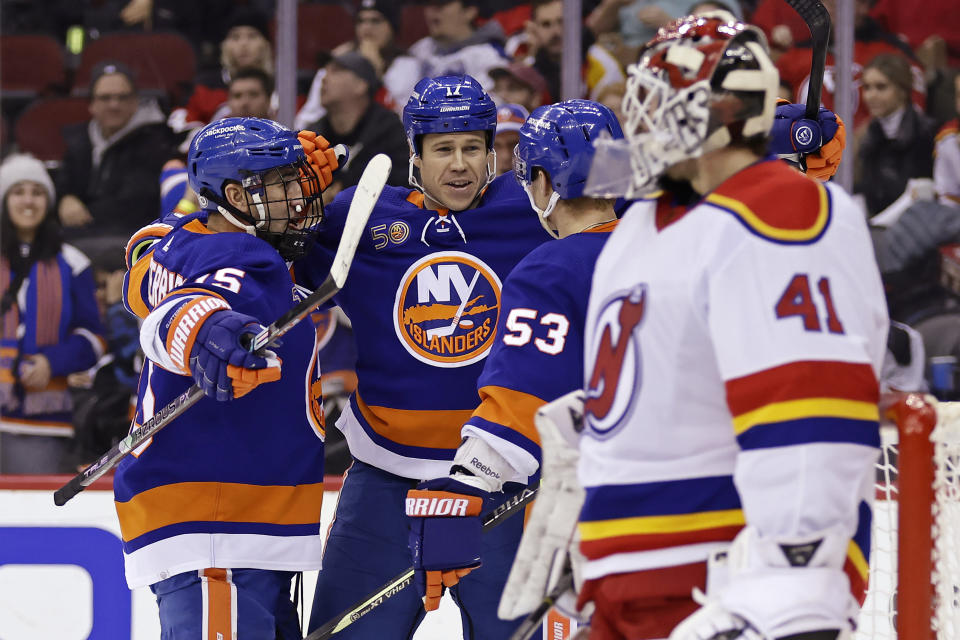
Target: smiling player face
(453,168)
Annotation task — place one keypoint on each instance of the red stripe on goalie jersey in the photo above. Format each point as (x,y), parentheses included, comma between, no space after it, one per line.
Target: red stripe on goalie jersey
(799,380)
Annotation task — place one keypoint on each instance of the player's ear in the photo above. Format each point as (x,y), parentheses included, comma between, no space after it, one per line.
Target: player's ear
(541,184)
(233,193)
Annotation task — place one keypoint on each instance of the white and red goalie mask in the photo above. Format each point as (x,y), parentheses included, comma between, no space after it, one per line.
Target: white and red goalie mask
(702,83)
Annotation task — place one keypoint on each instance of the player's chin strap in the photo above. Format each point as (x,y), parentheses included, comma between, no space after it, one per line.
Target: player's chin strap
(233,215)
(413,177)
(544,213)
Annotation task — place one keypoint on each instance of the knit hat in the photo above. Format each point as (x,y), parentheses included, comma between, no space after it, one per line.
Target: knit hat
(246,17)
(388,8)
(361,67)
(19,167)
(107,67)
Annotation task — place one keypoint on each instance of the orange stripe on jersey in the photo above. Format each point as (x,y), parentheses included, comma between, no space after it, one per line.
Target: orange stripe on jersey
(135,280)
(219,502)
(606,226)
(154,232)
(219,604)
(750,197)
(198,227)
(510,408)
(417,198)
(801,380)
(416,428)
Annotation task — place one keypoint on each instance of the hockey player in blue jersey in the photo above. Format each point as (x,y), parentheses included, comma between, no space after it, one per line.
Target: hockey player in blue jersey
(219,509)
(424,298)
(538,354)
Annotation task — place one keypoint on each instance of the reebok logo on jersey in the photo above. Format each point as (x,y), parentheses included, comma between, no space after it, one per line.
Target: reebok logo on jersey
(614,354)
(446,309)
(436,504)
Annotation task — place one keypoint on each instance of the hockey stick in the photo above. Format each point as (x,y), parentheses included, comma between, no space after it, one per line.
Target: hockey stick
(405,579)
(817,18)
(532,622)
(445,331)
(368,191)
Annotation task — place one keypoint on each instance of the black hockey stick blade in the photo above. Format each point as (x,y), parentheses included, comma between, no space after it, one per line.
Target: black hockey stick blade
(817,18)
(403,580)
(371,184)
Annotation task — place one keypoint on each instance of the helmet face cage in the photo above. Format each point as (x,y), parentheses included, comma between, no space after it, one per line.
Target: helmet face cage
(288,220)
(703,82)
(260,155)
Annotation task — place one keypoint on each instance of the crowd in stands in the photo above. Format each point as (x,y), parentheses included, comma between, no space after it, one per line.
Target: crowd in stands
(116,129)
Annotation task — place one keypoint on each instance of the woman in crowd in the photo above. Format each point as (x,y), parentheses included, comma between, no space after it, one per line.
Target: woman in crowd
(49,325)
(898,141)
(246,44)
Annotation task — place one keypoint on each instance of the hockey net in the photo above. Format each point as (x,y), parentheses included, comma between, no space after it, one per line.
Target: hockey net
(914,587)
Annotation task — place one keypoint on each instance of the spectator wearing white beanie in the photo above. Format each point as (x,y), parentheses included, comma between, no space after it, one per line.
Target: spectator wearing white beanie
(49,322)
(20,167)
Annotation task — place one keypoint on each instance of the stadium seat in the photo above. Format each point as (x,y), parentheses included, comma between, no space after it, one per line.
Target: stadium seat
(413,25)
(30,65)
(320,28)
(165,63)
(39,129)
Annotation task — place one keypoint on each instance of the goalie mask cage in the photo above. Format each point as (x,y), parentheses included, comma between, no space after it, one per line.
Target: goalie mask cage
(914,586)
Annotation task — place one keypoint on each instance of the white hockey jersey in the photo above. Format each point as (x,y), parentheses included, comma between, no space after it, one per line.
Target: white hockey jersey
(732,353)
(946,164)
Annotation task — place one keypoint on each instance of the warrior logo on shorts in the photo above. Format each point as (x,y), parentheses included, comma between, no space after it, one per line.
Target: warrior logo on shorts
(615,353)
(446,309)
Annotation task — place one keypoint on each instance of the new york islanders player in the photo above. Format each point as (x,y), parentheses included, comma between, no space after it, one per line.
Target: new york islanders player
(424,298)
(735,332)
(538,353)
(219,509)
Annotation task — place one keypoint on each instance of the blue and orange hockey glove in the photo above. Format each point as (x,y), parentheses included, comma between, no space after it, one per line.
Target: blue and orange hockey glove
(204,339)
(821,141)
(321,156)
(445,535)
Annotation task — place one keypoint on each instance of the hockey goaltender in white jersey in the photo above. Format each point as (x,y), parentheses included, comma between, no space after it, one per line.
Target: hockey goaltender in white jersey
(733,347)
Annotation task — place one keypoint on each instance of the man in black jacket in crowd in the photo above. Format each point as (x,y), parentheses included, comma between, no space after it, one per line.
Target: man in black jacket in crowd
(356,120)
(109,176)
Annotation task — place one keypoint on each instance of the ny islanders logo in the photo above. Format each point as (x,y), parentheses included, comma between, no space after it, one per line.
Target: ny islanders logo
(614,352)
(446,309)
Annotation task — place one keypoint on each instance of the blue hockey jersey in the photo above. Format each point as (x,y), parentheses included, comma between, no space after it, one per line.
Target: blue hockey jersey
(538,355)
(424,298)
(227,484)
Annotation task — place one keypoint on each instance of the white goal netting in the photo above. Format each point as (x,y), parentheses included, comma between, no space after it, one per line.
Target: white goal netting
(914,587)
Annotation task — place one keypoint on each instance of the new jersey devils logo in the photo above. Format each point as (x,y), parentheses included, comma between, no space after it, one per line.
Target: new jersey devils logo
(615,355)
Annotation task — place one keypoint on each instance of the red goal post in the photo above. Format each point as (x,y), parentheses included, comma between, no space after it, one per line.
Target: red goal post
(914,586)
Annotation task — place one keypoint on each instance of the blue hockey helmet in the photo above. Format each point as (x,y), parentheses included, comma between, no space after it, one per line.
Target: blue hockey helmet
(257,153)
(448,104)
(559,138)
